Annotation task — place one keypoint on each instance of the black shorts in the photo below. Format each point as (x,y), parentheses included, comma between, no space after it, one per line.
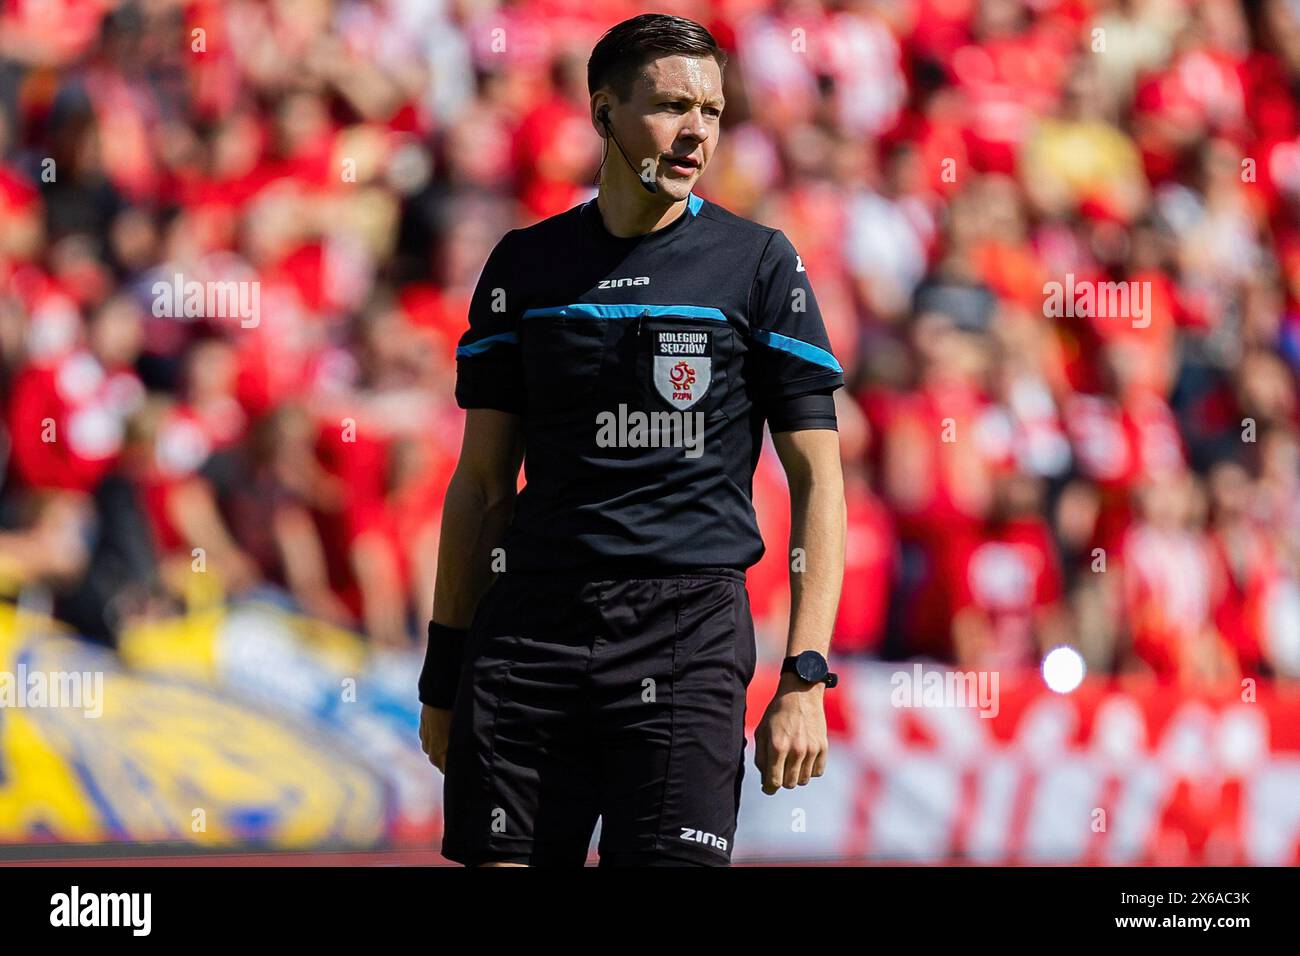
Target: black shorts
(620,699)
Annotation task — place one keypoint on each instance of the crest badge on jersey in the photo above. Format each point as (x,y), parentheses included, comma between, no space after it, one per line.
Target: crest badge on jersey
(683,365)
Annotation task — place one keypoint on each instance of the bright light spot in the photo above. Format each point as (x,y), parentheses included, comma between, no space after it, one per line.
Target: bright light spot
(1063,669)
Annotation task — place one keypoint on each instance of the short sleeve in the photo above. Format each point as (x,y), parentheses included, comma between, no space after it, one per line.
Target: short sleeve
(489,372)
(790,351)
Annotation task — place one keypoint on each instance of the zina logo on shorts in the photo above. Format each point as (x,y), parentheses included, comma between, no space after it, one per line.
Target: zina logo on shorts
(683,366)
(691,835)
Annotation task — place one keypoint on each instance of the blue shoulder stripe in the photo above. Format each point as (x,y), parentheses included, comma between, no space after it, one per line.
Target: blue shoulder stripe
(798,348)
(628,310)
(482,345)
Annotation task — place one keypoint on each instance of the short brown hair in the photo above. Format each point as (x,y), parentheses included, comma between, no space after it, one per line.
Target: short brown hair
(628,46)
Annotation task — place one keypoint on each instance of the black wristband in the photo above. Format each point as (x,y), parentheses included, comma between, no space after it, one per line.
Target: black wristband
(442,661)
(803,411)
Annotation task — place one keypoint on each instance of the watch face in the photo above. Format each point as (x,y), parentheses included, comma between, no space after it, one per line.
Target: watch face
(811,666)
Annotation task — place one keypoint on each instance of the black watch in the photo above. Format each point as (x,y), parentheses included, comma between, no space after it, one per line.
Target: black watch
(812,667)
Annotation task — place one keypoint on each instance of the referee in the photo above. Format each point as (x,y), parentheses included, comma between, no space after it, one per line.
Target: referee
(591,640)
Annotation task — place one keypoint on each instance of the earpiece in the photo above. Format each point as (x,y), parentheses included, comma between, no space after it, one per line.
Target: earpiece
(602,114)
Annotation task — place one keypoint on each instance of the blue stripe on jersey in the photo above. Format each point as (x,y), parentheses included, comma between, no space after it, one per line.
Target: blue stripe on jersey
(626,310)
(482,345)
(796,347)
(693,203)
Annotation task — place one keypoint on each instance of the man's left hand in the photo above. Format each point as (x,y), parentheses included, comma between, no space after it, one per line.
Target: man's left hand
(790,744)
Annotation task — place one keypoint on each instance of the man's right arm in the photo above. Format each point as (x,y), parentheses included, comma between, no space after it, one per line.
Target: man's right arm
(480,502)
(481,496)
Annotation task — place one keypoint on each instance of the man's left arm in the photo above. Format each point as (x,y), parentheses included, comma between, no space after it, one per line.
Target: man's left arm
(791,742)
(794,375)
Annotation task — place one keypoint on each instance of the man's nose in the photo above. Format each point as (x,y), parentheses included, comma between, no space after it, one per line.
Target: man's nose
(694,127)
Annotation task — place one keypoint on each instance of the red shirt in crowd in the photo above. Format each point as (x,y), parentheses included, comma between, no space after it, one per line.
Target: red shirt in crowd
(1010,574)
(67,421)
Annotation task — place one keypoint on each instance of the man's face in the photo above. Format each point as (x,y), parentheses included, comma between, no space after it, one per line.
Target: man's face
(670,126)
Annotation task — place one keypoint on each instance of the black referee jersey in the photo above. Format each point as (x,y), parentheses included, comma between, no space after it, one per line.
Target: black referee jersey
(643,369)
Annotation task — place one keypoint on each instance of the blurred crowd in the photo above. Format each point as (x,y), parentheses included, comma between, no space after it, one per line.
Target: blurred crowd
(1019,476)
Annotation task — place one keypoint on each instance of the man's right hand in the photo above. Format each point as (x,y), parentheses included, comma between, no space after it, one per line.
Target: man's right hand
(435,729)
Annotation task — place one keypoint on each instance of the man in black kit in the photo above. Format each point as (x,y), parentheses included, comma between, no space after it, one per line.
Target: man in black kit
(593,630)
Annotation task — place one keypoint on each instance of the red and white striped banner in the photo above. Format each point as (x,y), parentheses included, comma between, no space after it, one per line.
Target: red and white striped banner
(1112,773)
